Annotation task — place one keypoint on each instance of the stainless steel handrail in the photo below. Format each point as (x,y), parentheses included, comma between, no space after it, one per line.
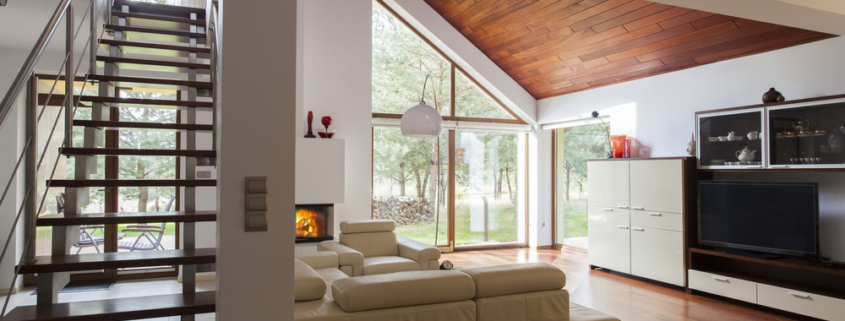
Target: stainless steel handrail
(31,60)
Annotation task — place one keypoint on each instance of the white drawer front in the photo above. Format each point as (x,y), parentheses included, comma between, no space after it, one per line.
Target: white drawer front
(661,220)
(817,306)
(610,246)
(609,214)
(724,286)
(657,254)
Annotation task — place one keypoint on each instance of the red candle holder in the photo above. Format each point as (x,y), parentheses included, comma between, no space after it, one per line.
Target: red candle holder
(618,145)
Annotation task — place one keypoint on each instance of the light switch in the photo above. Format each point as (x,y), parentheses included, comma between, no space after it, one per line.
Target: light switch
(256,185)
(256,221)
(256,202)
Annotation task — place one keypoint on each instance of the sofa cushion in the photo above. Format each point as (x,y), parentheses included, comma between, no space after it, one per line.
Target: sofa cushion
(330,275)
(307,283)
(368,226)
(372,244)
(515,278)
(388,264)
(318,260)
(401,289)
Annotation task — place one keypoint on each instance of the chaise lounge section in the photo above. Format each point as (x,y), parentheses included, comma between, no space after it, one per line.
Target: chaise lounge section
(519,292)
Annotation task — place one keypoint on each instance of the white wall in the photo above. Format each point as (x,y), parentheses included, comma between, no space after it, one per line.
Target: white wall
(257,123)
(659,111)
(338,83)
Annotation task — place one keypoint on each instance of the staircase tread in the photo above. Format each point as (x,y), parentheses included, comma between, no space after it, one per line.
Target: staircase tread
(140,125)
(162,81)
(138,152)
(159,17)
(147,7)
(162,31)
(97,99)
(143,307)
(118,260)
(132,182)
(153,45)
(123,218)
(152,62)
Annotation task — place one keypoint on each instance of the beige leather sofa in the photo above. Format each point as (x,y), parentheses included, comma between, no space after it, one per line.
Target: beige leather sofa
(370,247)
(520,292)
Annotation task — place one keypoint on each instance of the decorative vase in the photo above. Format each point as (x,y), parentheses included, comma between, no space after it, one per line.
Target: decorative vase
(326,121)
(771,96)
(618,145)
(310,134)
(691,145)
(626,148)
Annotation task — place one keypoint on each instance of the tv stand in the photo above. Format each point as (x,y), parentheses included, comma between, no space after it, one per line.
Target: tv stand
(791,284)
(754,254)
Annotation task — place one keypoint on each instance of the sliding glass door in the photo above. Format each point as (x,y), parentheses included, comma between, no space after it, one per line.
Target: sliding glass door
(573,146)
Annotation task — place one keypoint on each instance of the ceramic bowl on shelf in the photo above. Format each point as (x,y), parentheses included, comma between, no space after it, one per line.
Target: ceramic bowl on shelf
(723,138)
(717,162)
(326,134)
(738,138)
(713,139)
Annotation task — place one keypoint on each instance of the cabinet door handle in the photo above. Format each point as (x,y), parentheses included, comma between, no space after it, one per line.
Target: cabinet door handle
(622,207)
(639,229)
(607,209)
(720,279)
(637,208)
(622,227)
(655,214)
(797,295)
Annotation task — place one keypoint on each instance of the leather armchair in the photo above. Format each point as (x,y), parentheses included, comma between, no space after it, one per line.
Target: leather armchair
(370,248)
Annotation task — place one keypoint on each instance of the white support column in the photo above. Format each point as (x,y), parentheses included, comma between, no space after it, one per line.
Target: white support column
(257,126)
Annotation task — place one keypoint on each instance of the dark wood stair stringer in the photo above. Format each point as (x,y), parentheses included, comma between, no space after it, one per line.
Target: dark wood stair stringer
(127,218)
(123,125)
(131,308)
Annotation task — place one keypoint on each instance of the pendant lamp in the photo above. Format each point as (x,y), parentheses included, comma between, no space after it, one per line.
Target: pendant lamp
(422,120)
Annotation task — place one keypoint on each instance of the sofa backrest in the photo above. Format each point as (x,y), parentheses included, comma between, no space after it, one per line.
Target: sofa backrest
(402,289)
(371,238)
(308,285)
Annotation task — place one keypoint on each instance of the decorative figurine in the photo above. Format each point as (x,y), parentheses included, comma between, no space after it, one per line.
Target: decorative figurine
(691,145)
(310,134)
(771,96)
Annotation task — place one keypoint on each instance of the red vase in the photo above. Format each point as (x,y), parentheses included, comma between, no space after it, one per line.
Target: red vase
(618,145)
(626,148)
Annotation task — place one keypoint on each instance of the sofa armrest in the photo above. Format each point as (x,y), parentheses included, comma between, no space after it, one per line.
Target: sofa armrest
(419,252)
(346,256)
(319,260)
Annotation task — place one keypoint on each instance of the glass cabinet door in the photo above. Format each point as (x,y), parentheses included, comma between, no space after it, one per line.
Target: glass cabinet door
(732,139)
(807,135)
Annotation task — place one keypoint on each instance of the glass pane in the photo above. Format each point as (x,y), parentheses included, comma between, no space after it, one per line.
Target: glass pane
(486,177)
(724,137)
(405,181)
(573,147)
(812,135)
(401,61)
(471,101)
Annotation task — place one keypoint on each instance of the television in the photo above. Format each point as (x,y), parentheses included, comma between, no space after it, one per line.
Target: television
(754,217)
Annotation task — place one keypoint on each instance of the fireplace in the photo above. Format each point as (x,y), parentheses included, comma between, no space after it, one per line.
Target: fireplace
(314,222)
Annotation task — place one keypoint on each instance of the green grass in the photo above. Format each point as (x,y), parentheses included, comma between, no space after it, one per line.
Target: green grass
(501,210)
(575,218)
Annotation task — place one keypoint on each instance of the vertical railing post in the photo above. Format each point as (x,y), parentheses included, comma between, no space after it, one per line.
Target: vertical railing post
(92,67)
(31,178)
(69,77)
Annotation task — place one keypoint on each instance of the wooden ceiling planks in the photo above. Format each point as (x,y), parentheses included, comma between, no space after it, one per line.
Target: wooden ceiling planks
(557,47)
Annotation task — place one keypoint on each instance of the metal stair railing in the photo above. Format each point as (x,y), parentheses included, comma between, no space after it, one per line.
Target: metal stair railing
(29,153)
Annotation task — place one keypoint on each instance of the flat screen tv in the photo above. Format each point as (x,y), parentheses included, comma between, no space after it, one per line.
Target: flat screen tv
(776,218)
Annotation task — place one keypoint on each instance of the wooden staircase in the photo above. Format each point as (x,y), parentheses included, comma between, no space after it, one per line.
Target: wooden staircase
(153,39)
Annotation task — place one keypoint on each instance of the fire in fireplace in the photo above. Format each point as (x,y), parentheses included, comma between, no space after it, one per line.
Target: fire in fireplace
(313,222)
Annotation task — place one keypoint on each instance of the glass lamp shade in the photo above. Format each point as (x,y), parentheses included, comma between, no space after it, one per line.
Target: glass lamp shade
(422,121)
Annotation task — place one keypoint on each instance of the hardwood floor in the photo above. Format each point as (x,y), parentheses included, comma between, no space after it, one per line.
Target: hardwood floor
(620,296)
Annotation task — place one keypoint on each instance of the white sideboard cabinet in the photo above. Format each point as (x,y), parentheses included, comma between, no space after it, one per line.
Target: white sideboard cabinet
(636,218)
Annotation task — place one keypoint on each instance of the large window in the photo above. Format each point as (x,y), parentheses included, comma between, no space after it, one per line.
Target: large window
(573,146)
(466,191)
